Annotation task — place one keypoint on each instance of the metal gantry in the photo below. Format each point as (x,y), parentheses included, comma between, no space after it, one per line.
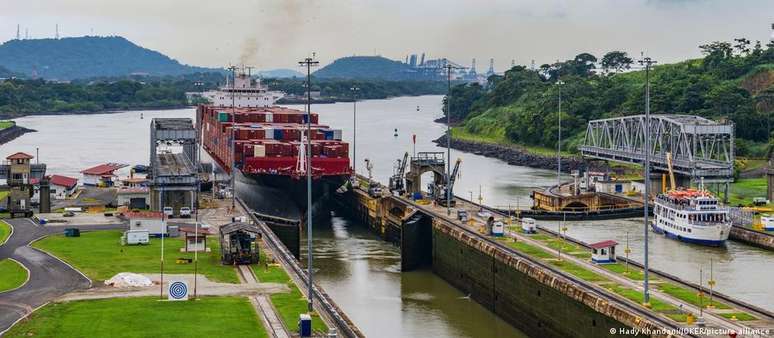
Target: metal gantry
(700,148)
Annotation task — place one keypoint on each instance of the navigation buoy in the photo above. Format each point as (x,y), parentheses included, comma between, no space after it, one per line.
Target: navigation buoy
(396,132)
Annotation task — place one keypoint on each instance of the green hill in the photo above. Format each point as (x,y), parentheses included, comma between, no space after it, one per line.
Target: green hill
(732,82)
(368,67)
(88,56)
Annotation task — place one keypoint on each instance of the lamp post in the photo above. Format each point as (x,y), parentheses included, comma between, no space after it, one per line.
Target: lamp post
(449,67)
(559,143)
(354,129)
(647,62)
(309,63)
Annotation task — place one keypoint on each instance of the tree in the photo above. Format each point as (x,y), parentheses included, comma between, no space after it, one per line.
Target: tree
(742,46)
(616,61)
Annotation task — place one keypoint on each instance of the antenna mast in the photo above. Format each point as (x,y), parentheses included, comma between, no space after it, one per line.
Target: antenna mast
(57,32)
(18,36)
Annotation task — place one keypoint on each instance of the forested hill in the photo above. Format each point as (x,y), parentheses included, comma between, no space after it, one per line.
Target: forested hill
(369,67)
(734,81)
(84,57)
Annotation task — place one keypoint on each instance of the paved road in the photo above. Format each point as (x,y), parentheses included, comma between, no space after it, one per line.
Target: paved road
(49,277)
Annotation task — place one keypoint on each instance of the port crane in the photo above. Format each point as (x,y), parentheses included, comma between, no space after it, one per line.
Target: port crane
(374,189)
(441,191)
(397,183)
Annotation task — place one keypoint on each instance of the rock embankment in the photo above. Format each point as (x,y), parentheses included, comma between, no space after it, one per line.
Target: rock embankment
(513,155)
(10,133)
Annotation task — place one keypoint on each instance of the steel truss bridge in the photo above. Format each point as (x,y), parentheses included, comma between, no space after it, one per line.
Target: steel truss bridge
(701,149)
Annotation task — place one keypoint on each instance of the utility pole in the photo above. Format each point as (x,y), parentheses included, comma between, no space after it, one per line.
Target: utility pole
(647,62)
(197,206)
(233,150)
(309,63)
(559,144)
(354,129)
(449,67)
(163,233)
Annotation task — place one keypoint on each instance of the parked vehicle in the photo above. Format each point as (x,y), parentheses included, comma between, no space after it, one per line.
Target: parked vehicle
(185,212)
(462,215)
(169,212)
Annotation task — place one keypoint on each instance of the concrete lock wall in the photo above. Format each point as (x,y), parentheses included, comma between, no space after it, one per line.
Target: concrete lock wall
(520,299)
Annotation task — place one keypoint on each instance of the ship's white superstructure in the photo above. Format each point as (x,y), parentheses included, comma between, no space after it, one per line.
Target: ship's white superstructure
(242,91)
(693,216)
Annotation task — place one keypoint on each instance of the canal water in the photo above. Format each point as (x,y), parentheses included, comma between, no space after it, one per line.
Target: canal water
(361,272)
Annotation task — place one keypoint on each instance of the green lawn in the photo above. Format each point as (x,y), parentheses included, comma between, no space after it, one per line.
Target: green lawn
(578,271)
(745,189)
(688,295)
(5,232)
(620,268)
(100,256)
(144,317)
(739,316)
(12,275)
(656,305)
(6,124)
(288,304)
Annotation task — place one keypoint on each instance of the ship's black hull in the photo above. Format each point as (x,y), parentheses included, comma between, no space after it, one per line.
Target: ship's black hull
(283,196)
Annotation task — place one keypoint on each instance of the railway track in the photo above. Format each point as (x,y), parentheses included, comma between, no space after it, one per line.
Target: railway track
(330,310)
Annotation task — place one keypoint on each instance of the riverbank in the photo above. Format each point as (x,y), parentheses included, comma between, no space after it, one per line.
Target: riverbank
(12,132)
(513,155)
(94,112)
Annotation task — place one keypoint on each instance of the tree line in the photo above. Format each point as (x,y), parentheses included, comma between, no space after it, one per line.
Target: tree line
(733,81)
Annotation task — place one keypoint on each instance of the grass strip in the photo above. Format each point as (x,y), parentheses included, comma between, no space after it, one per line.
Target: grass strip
(144,317)
(741,316)
(689,296)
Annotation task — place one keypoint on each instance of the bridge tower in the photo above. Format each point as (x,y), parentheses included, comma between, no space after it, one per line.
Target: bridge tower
(491,70)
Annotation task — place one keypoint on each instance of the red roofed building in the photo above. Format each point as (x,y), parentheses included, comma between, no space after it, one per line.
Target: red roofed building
(101,175)
(62,186)
(19,156)
(603,252)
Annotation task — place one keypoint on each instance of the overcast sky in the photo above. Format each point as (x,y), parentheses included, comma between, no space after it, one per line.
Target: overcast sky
(273,34)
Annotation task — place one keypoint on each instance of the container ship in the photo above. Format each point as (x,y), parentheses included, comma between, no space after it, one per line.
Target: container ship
(264,145)
(693,216)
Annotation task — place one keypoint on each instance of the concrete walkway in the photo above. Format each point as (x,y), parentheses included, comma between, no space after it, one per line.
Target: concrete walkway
(263,305)
(49,277)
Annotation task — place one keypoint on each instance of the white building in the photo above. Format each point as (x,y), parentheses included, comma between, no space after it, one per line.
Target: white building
(152,221)
(62,186)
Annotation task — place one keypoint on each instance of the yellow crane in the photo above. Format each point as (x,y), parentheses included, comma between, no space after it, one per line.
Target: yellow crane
(672,184)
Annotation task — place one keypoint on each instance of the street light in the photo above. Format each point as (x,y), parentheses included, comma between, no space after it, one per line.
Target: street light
(647,62)
(559,144)
(309,63)
(354,129)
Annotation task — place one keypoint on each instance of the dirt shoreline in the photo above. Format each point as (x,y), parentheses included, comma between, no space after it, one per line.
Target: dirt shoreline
(513,155)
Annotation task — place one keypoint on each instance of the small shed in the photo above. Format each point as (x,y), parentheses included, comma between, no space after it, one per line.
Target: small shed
(134,198)
(239,243)
(195,239)
(603,252)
